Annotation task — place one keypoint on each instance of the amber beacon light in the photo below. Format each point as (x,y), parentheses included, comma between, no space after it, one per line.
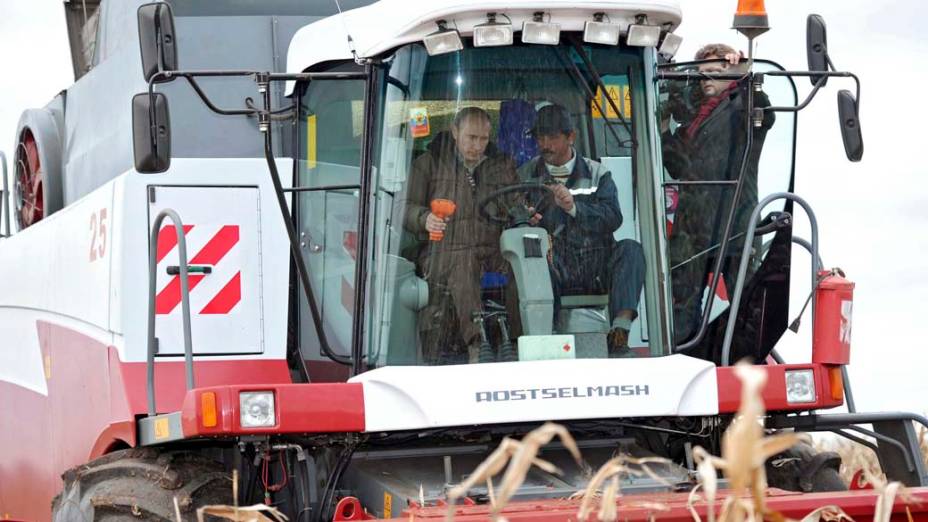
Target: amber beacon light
(751,18)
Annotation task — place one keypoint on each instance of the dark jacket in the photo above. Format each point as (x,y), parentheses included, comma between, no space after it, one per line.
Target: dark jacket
(714,153)
(439,173)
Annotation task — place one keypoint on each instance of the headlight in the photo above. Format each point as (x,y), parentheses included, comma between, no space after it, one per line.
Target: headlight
(600,32)
(670,45)
(540,32)
(257,409)
(443,40)
(492,33)
(640,34)
(800,386)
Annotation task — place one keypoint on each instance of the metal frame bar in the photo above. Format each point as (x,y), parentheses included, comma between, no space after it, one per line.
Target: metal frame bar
(364,196)
(894,429)
(822,78)
(745,253)
(5,198)
(184,298)
(264,125)
(325,188)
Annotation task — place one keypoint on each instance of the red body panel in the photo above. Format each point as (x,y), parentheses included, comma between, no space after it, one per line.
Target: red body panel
(774,392)
(301,408)
(92,402)
(858,504)
(831,331)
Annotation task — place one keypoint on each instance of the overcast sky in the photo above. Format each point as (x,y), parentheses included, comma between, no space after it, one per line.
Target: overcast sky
(871,214)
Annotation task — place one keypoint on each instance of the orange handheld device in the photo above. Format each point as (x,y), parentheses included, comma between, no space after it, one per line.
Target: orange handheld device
(442,208)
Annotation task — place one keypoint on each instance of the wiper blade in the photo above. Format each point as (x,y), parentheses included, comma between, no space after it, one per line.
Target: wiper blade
(599,83)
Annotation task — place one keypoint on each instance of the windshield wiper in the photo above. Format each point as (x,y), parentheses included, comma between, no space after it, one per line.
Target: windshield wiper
(630,143)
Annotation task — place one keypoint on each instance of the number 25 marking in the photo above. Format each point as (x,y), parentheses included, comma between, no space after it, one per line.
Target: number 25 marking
(97,235)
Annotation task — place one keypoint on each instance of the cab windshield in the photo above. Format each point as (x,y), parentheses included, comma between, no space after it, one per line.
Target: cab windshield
(505,222)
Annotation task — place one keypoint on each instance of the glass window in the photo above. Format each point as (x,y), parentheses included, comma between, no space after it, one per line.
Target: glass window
(704,142)
(506,223)
(328,172)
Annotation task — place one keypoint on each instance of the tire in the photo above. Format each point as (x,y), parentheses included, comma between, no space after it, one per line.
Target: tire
(801,468)
(141,484)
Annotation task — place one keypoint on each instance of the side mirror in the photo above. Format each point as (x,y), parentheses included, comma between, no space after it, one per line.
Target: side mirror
(850,125)
(816,47)
(156,39)
(151,133)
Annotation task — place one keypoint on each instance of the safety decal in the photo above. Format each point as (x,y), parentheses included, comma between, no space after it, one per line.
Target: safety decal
(209,255)
(419,122)
(845,329)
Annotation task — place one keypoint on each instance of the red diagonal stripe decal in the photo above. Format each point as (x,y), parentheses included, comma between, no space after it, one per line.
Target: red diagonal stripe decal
(217,247)
(169,297)
(167,240)
(227,298)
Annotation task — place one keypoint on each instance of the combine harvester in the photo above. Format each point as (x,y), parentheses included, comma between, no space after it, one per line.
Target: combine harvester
(208,270)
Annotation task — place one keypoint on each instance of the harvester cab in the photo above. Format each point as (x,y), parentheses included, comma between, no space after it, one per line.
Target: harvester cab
(469,221)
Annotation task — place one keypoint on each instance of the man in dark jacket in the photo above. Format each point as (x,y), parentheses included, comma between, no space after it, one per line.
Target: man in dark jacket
(464,168)
(585,255)
(710,147)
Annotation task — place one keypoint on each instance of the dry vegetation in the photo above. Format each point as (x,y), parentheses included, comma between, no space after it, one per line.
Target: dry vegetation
(745,448)
(858,461)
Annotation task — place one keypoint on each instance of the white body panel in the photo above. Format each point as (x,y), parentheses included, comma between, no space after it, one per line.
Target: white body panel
(86,268)
(408,397)
(389,23)
(268,249)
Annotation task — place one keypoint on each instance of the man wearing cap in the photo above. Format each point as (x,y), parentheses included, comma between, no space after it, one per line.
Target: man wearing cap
(586,257)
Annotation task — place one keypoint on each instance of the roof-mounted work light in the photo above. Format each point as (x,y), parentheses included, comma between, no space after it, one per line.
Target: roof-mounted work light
(443,40)
(640,34)
(597,31)
(670,45)
(538,31)
(492,33)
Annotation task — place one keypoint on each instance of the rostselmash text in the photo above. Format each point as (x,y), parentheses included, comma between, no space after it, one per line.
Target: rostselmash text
(567,392)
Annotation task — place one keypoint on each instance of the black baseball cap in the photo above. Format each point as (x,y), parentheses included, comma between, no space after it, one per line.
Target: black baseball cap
(551,120)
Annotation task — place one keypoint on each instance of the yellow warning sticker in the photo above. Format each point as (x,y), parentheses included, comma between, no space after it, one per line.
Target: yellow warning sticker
(627,101)
(596,104)
(48,367)
(311,141)
(162,428)
(387,505)
(620,97)
(419,122)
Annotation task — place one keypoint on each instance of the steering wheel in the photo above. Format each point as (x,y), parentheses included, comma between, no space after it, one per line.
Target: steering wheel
(517,215)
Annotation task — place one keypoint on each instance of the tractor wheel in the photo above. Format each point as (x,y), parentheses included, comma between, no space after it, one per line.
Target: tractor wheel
(141,484)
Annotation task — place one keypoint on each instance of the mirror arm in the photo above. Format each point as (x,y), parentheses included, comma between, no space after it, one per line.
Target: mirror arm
(818,85)
(225,112)
(833,74)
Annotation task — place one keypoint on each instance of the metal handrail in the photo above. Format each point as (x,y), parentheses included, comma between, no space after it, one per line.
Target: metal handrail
(4,200)
(184,299)
(743,268)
